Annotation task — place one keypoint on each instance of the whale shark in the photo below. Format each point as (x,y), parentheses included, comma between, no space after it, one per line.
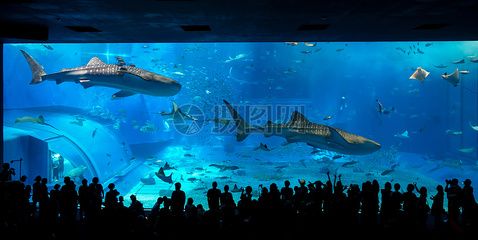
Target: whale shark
(300,129)
(128,79)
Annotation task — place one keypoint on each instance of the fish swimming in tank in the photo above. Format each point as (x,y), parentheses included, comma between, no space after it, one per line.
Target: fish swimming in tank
(129,80)
(39,120)
(300,129)
(453,78)
(420,74)
(160,174)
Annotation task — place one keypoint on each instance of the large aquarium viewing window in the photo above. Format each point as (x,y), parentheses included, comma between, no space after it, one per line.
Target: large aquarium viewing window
(147,115)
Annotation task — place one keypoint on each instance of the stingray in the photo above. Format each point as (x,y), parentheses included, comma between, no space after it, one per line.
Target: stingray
(453,78)
(402,135)
(160,174)
(473,127)
(420,74)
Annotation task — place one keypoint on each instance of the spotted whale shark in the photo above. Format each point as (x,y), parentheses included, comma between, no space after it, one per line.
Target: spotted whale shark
(129,79)
(300,129)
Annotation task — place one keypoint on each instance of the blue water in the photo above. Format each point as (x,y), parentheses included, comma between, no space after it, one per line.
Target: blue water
(127,139)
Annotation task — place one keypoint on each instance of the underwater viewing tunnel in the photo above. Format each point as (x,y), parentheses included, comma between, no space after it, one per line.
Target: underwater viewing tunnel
(56,148)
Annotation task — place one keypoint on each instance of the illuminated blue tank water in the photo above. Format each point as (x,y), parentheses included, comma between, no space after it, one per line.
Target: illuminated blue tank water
(145,116)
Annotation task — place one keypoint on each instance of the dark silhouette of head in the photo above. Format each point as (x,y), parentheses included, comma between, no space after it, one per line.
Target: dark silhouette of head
(396,186)
(467,182)
(454,181)
(410,187)
(95,180)
(388,186)
(214,185)
(423,191)
(286,183)
(440,188)
(84,181)
(226,188)
(177,186)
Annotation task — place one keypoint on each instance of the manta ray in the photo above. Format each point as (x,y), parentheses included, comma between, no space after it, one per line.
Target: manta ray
(473,127)
(402,135)
(300,129)
(420,74)
(453,78)
(128,79)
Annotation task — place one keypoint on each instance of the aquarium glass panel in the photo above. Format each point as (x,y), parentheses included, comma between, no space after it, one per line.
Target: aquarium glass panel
(147,115)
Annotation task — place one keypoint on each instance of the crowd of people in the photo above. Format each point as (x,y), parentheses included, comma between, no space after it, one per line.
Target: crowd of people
(308,209)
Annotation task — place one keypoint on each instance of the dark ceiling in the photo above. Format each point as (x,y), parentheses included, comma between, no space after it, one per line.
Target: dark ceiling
(237,21)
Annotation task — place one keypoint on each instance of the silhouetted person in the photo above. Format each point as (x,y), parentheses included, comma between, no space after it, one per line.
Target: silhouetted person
(111,197)
(155,210)
(136,207)
(121,202)
(286,193)
(469,203)
(213,196)
(354,195)
(68,200)
(96,196)
(83,197)
(36,191)
(6,173)
(190,211)
(437,210)
(410,201)
(422,206)
(54,208)
(226,199)
(43,199)
(274,196)
(178,199)
(245,203)
(386,207)
(454,196)
(301,195)
(396,202)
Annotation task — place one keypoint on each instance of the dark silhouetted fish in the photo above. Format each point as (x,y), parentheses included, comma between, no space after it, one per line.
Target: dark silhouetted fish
(49,47)
(441,66)
(168,167)
(350,163)
(224,167)
(148,181)
(160,174)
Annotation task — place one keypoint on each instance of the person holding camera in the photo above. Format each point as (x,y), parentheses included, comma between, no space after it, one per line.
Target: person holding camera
(6,173)
(454,196)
